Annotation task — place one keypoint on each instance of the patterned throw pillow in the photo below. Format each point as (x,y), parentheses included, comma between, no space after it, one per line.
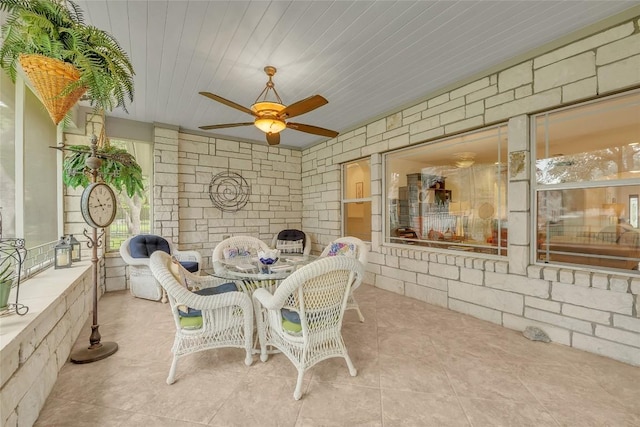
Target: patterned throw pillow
(234,252)
(345,249)
(178,272)
(290,246)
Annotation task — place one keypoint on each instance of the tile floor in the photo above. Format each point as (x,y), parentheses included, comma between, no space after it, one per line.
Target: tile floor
(418,365)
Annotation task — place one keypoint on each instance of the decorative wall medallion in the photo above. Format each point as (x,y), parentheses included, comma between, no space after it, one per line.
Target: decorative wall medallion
(229,191)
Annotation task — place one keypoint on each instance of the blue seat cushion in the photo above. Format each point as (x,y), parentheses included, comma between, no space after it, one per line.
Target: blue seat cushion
(190,266)
(220,289)
(290,315)
(143,245)
(291,321)
(292,235)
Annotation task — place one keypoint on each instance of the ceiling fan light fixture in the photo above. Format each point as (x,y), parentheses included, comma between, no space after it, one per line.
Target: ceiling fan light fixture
(263,108)
(464,160)
(465,163)
(270,124)
(270,114)
(268,120)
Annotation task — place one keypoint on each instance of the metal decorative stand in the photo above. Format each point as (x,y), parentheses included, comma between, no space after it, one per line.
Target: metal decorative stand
(97,350)
(12,256)
(229,191)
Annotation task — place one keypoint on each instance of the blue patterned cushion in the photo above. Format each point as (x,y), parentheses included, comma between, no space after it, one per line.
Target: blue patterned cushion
(346,249)
(234,252)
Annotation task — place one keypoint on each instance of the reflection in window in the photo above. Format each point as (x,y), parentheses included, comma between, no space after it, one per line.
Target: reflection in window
(356,199)
(450,193)
(588,175)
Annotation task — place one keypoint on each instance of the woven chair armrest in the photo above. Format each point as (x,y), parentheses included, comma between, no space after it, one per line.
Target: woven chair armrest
(213,302)
(136,261)
(267,300)
(204,281)
(207,281)
(188,256)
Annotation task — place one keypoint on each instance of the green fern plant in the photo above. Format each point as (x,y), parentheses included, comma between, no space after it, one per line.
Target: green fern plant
(57,30)
(119,169)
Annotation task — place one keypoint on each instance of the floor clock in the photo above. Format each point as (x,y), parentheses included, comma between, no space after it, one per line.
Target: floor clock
(98,205)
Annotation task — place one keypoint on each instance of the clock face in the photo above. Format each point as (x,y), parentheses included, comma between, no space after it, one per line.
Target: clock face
(98,205)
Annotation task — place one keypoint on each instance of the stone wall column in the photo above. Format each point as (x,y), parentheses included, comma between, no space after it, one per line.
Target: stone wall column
(165,183)
(377,202)
(519,195)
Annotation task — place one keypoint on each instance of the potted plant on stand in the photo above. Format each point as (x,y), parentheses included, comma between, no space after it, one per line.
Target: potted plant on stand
(118,169)
(63,57)
(6,282)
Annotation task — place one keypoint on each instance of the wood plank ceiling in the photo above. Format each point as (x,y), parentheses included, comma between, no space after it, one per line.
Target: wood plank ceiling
(368,58)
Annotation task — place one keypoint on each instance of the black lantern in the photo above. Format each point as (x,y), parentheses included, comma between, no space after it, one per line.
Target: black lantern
(62,254)
(75,249)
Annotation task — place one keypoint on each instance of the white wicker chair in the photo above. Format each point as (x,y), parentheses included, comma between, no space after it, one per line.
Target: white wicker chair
(237,246)
(141,280)
(226,319)
(318,293)
(287,241)
(360,251)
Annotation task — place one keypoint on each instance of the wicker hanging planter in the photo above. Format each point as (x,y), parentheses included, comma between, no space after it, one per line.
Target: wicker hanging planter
(50,77)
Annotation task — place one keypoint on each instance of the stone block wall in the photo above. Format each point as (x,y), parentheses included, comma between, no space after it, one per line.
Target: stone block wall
(35,346)
(184,167)
(587,309)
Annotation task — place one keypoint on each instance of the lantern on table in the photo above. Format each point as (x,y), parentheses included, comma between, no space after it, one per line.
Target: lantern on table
(76,254)
(62,254)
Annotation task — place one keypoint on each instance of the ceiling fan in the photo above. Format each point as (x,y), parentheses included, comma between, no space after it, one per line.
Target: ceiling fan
(271,116)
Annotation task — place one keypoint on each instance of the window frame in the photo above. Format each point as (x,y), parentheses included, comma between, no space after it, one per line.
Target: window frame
(345,201)
(537,188)
(479,250)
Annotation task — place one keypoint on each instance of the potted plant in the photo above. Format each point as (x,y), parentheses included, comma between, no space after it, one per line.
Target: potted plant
(57,50)
(119,169)
(6,281)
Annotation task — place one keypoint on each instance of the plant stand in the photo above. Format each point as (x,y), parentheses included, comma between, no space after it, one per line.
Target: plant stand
(96,350)
(12,256)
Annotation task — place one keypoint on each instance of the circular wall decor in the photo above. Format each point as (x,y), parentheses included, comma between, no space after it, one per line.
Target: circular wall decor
(485,211)
(229,191)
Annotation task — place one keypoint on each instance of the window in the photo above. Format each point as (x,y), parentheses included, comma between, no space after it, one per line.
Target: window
(356,199)
(587,183)
(29,193)
(133,215)
(28,169)
(451,193)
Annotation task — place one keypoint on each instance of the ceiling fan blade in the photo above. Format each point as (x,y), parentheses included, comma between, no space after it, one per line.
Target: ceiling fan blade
(227,102)
(312,129)
(226,125)
(303,106)
(273,138)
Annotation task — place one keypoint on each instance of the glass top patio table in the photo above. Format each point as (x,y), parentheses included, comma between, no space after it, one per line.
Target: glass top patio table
(250,273)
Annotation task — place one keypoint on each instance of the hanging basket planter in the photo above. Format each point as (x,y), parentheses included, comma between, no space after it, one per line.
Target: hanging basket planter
(50,77)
